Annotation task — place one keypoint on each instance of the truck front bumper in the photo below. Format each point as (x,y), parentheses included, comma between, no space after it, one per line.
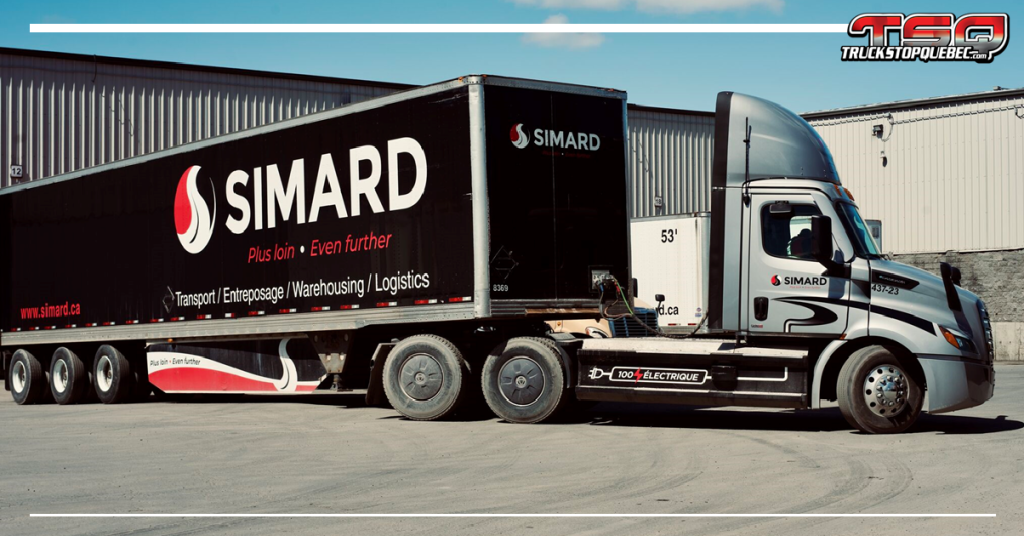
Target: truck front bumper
(954,383)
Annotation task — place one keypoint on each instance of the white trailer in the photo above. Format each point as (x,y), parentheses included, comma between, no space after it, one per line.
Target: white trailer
(669,255)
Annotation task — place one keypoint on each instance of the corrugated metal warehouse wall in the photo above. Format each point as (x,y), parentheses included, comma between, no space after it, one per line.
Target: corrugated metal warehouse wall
(952,176)
(670,161)
(60,112)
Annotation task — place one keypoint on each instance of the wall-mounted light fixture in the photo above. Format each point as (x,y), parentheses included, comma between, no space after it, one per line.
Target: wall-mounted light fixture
(876,131)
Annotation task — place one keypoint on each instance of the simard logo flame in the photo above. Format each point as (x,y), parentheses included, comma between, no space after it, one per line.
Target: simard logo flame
(519,138)
(267,197)
(192,218)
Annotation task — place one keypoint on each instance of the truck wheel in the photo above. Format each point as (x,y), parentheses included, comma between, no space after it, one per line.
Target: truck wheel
(423,377)
(112,376)
(69,380)
(523,380)
(876,393)
(28,383)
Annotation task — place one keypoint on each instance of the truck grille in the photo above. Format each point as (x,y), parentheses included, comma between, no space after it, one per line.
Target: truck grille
(986,323)
(629,327)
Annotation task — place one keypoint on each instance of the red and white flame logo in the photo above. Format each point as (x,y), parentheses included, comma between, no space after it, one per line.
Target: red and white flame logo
(519,138)
(192,217)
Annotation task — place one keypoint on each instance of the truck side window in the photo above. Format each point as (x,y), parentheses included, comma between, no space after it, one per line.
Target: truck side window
(788,235)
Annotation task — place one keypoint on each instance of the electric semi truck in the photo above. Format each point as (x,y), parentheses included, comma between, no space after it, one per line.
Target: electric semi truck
(416,246)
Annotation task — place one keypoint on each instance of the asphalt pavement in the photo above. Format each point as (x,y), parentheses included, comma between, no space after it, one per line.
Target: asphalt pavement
(327,454)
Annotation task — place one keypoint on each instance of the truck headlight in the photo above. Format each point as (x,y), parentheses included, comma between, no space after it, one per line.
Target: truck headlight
(958,340)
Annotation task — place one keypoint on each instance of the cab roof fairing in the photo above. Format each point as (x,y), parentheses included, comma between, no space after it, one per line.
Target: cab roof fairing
(782,144)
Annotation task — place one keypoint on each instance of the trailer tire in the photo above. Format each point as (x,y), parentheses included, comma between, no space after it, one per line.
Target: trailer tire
(69,377)
(424,376)
(877,392)
(523,380)
(28,381)
(112,375)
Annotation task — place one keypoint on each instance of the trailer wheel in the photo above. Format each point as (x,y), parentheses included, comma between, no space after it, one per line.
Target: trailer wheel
(876,393)
(112,376)
(69,379)
(523,380)
(28,382)
(423,377)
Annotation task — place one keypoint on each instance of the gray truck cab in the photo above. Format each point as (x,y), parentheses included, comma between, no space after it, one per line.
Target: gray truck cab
(802,307)
(799,261)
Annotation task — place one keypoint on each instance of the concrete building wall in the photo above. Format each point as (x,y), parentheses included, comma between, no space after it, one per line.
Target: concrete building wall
(995,276)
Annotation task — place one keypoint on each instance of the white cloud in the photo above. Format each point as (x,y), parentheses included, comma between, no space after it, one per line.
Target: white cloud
(684,7)
(563,40)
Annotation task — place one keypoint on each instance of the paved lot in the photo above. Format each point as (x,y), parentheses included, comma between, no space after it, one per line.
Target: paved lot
(327,454)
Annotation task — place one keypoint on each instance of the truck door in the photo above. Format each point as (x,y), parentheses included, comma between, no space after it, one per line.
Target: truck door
(787,291)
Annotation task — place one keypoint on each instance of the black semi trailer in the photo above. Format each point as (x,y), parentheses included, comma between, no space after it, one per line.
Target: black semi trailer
(452,218)
(416,244)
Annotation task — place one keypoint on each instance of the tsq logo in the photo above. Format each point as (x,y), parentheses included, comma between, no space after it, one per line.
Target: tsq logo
(192,218)
(978,37)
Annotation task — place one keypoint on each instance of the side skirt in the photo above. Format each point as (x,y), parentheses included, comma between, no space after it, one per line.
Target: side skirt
(726,379)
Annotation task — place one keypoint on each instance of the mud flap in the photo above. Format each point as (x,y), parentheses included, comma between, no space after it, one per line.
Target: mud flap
(375,395)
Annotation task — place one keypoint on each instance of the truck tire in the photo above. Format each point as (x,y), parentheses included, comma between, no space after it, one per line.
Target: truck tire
(69,379)
(523,380)
(112,375)
(876,392)
(423,377)
(28,382)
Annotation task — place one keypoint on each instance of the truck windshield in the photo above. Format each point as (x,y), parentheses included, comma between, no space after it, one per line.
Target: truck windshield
(863,245)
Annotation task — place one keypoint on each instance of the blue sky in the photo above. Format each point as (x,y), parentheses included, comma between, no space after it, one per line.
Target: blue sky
(803,72)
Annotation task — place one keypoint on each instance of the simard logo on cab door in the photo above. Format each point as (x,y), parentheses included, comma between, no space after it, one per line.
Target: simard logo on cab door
(799,281)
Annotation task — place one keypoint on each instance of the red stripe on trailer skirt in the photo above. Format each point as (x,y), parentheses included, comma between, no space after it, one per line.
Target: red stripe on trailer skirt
(198,379)
(305,388)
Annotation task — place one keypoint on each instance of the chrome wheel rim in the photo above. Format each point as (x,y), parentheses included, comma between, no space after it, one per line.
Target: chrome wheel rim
(60,376)
(885,390)
(105,374)
(19,377)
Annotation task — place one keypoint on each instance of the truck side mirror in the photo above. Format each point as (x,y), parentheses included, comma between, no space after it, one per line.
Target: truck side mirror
(821,240)
(659,298)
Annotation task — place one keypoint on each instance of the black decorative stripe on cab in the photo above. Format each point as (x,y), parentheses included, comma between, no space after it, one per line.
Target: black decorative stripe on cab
(822,315)
(894,314)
